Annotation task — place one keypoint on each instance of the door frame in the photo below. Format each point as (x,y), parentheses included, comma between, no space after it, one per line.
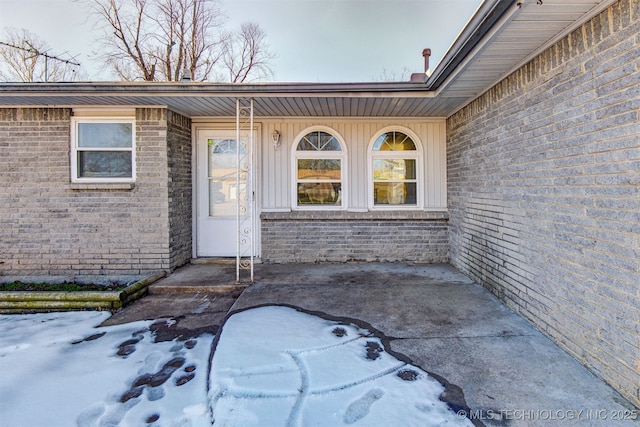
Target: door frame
(226,125)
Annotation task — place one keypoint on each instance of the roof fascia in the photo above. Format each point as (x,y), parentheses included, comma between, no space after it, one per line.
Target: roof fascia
(586,17)
(481,23)
(172,89)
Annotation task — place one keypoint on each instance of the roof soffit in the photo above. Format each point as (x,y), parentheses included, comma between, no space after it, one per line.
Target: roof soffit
(499,38)
(524,31)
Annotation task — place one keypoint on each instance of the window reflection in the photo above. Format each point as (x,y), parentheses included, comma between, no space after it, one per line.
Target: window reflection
(222,161)
(103,150)
(105,164)
(319,170)
(394,166)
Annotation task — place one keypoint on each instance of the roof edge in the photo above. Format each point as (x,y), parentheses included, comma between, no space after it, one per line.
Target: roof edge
(480,24)
(208,88)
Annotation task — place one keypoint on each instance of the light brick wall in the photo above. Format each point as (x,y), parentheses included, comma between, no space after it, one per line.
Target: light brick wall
(180,189)
(350,236)
(544,193)
(51,228)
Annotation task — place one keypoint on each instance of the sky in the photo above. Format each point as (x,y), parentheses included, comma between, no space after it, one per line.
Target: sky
(314,40)
(272,366)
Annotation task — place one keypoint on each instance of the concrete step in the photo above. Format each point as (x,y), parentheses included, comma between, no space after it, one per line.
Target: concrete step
(218,278)
(191,288)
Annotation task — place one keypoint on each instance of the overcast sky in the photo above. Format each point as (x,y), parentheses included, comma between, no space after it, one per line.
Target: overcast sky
(315,40)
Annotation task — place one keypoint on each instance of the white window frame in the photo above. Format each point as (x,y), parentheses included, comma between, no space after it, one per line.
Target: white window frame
(417,155)
(341,155)
(75,150)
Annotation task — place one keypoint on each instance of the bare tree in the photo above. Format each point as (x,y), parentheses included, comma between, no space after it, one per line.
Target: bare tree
(25,57)
(156,40)
(246,55)
(393,76)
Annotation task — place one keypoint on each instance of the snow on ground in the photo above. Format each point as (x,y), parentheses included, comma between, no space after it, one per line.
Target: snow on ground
(295,369)
(272,366)
(58,369)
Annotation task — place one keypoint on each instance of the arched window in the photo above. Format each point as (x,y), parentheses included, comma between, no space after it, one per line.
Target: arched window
(318,162)
(395,168)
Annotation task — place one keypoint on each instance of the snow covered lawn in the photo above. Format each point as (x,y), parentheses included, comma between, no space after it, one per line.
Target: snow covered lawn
(272,366)
(57,369)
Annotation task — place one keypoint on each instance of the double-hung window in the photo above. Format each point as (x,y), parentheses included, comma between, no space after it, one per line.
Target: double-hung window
(103,150)
(395,171)
(319,171)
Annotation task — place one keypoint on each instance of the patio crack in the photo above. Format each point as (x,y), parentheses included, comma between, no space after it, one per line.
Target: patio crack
(391,339)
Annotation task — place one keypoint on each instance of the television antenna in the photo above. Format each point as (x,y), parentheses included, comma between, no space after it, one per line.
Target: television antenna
(36,52)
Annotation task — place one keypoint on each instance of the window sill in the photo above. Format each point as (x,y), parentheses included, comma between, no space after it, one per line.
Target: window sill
(104,186)
(335,215)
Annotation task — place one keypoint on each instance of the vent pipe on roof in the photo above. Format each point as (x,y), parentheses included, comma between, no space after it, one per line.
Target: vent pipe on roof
(422,77)
(186,75)
(426,53)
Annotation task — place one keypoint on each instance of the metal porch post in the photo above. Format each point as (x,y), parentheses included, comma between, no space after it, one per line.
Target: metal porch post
(245,200)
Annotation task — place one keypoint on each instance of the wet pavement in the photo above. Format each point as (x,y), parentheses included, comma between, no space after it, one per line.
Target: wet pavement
(495,363)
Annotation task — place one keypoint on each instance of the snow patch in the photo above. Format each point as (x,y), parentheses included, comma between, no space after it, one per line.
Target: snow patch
(273,366)
(276,366)
(76,373)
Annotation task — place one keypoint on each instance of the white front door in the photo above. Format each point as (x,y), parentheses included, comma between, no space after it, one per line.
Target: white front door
(217,194)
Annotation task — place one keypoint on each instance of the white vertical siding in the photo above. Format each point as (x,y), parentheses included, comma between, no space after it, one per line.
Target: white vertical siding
(275,167)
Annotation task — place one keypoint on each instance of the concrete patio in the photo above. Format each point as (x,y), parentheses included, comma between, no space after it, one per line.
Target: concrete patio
(496,364)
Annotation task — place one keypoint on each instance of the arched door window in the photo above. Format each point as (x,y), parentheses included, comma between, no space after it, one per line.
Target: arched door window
(319,163)
(395,167)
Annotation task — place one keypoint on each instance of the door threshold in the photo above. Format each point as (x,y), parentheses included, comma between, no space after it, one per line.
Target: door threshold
(220,260)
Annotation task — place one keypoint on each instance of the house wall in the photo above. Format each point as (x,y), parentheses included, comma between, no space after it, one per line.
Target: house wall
(354,236)
(357,133)
(179,155)
(544,193)
(51,228)
(355,233)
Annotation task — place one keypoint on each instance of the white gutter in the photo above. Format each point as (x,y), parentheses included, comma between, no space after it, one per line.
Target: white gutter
(482,20)
(508,16)
(597,9)
(204,90)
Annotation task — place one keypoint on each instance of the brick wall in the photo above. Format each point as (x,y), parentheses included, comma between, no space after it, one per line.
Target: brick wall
(340,236)
(180,189)
(544,193)
(52,229)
